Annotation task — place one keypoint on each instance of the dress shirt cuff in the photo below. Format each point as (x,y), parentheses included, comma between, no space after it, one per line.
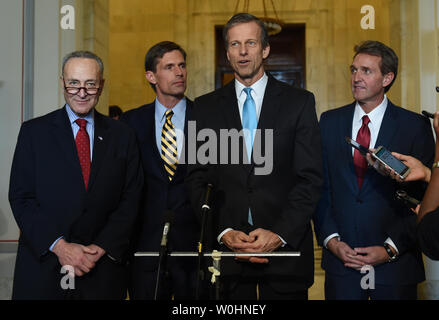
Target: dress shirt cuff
(391,243)
(334,235)
(284,243)
(55,242)
(221,235)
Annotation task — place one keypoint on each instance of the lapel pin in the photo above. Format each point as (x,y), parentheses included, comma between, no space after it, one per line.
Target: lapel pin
(100,138)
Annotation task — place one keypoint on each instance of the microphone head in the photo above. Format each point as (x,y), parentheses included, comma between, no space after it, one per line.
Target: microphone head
(169,216)
(437,89)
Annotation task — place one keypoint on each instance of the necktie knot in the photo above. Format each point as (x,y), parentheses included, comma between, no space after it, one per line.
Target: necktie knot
(366,120)
(248,92)
(169,113)
(81,123)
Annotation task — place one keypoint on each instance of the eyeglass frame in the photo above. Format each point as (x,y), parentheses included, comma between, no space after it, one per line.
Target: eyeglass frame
(79,89)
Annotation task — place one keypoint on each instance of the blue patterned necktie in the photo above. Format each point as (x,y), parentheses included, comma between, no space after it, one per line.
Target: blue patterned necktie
(249,121)
(249,124)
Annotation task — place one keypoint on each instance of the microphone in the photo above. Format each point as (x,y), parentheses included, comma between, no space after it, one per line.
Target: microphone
(168,219)
(205,208)
(162,254)
(410,202)
(206,203)
(428,114)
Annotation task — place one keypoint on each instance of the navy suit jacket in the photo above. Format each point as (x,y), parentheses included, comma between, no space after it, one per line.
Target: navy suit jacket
(48,199)
(367,217)
(160,195)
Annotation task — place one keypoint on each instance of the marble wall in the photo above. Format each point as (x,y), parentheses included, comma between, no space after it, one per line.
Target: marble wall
(332,30)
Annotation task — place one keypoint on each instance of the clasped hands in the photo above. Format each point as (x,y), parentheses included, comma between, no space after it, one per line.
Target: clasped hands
(259,240)
(357,258)
(82,258)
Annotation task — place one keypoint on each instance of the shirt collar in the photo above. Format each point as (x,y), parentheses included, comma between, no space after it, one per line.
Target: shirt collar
(179,109)
(375,115)
(73,116)
(258,87)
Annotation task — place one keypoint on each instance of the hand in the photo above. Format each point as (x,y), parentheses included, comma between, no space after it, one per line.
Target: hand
(95,257)
(436,125)
(265,241)
(416,210)
(237,240)
(378,166)
(74,254)
(417,170)
(373,255)
(345,253)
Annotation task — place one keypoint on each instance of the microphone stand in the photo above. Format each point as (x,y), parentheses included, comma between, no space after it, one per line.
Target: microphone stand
(205,209)
(163,254)
(216,257)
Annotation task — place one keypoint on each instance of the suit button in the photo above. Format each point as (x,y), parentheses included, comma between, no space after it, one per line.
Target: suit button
(250,190)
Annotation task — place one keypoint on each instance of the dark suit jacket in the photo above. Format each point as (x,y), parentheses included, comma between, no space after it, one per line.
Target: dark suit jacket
(49,200)
(282,200)
(428,235)
(367,217)
(160,194)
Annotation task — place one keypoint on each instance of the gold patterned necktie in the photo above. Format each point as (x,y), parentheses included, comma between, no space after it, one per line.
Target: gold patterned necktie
(169,146)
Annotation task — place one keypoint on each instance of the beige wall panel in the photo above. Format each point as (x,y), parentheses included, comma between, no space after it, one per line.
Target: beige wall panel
(332,30)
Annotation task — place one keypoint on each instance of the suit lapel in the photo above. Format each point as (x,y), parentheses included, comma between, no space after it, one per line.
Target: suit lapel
(387,131)
(100,144)
(345,126)
(388,126)
(183,158)
(270,105)
(229,104)
(151,141)
(64,136)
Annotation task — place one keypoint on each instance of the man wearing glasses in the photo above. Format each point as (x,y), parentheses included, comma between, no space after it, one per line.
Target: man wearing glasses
(74,191)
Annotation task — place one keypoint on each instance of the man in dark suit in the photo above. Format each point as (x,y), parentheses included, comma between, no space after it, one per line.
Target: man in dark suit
(161,129)
(259,206)
(359,222)
(74,190)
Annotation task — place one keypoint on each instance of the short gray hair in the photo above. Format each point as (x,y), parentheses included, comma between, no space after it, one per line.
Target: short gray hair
(85,55)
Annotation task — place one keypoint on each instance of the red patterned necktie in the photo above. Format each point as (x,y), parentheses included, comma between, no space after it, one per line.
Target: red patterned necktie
(360,162)
(83,147)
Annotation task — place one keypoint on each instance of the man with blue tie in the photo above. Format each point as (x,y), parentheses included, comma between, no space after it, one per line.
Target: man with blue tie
(359,222)
(74,190)
(161,129)
(255,211)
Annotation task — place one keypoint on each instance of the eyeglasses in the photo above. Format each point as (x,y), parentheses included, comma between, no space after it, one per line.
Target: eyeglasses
(91,91)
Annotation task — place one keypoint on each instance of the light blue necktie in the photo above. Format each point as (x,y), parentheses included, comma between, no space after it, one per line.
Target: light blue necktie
(249,122)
